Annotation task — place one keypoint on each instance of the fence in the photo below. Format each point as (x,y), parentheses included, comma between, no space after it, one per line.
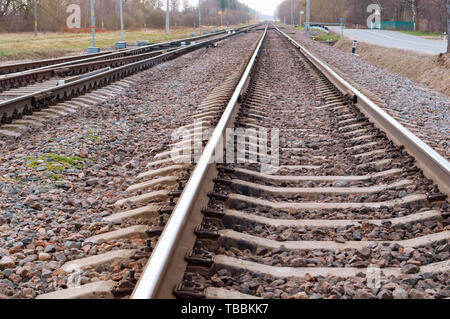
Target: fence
(397,25)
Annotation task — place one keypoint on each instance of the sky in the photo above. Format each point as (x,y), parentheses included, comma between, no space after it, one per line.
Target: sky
(264,6)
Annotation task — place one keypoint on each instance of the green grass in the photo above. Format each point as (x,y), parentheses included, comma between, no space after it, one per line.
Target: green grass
(15,46)
(55,163)
(324,37)
(92,136)
(424,33)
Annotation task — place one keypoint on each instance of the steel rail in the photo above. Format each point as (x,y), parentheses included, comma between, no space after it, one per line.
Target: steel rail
(153,282)
(27,103)
(433,165)
(20,67)
(49,63)
(18,79)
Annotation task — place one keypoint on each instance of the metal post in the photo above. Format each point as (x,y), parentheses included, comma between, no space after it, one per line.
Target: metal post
(167,18)
(93,22)
(354,46)
(308,16)
(145,16)
(292,12)
(35,19)
(103,22)
(200,16)
(121,20)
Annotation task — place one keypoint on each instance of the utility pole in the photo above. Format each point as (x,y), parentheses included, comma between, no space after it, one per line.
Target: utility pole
(292,12)
(35,19)
(167,18)
(121,20)
(121,44)
(308,16)
(103,22)
(200,16)
(93,49)
(145,16)
(93,22)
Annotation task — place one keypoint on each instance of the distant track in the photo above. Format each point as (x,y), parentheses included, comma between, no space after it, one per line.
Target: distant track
(113,66)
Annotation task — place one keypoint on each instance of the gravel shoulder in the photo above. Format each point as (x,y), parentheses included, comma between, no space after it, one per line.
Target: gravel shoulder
(425,109)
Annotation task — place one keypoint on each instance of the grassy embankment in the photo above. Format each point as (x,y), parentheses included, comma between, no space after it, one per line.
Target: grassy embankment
(424,34)
(430,70)
(16,46)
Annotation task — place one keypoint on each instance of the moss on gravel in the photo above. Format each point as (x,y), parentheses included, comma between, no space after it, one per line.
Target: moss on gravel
(55,163)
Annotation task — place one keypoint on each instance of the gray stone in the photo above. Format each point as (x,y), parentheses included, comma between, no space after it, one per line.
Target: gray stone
(7,262)
(412,281)
(71,244)
(46,273)
(357,236)
(400,293)
(3,252)
(416,294)
(298,262)
(340,184)
(410,269)
(385,294)
(7,272)
(50,249)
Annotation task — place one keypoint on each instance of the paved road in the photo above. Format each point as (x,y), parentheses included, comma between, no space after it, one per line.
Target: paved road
(393,39)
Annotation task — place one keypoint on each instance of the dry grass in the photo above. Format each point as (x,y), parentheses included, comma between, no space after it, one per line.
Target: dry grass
(430,70)
(16,46)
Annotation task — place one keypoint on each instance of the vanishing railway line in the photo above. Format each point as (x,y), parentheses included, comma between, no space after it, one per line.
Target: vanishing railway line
(43,84)
(348,205)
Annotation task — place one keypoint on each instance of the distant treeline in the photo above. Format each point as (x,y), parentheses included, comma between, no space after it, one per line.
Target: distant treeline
(429,15)
(18,15)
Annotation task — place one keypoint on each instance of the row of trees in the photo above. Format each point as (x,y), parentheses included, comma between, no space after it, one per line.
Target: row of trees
(18,15)
(429,15)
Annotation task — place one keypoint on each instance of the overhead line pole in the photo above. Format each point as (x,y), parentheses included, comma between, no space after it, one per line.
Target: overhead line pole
(103,22)
(121,20)
(93,22)
(200,16)
(308,16)
(93,49)
(292,12)
(35,18)
(145,16)
(167,17)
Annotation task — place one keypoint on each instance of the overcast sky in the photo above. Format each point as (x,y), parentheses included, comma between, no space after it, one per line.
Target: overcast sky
(264,6)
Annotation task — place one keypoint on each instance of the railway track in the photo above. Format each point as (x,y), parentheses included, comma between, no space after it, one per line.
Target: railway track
(63,61)
(43,87)
(345,204)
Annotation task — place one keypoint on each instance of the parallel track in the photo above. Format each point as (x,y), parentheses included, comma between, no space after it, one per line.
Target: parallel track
(113,67)
(42,64)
